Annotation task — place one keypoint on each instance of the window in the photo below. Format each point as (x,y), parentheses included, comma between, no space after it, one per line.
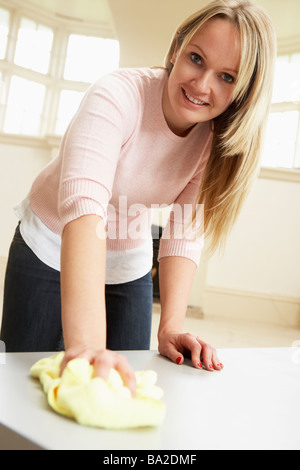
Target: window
(4,29)
(282,147)
(90,57)
(281,139)
(287,79)
(2,92)
(68,105)
(24,107)
(46,66)
(34,46)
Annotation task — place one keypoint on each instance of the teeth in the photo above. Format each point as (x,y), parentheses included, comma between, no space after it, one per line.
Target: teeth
(192,99)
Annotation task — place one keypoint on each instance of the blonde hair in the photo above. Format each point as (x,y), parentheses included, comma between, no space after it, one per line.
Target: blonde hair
(238,132)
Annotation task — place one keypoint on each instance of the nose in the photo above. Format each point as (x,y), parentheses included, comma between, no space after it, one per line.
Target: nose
(203,82)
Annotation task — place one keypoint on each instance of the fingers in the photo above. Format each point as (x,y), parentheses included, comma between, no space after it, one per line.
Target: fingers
(209,356)
(103,361)
(189,342)
(201,353)
(128,376)
(176,346)
(76,353)
(169,349)
(110,360)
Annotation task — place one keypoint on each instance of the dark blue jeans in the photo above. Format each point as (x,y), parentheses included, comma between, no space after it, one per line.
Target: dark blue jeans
(31,319)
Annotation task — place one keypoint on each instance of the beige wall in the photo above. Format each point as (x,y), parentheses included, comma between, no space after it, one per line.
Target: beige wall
(145,27)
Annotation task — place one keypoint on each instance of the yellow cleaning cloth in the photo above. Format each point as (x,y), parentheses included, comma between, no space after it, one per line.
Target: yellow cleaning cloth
(93,401)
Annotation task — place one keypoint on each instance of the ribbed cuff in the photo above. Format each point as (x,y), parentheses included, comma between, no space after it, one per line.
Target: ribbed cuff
(183,248)
(82,197)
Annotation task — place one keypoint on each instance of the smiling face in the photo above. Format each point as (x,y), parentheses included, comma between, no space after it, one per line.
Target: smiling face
(201,84)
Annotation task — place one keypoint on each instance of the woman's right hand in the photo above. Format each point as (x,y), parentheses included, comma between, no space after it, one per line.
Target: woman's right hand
(83,256)
(103,360)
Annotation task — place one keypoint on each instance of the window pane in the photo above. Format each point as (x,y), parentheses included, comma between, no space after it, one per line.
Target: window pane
(24,107)
(280,142)
(4,29)
(68,105)
(34,46)
(295,91)
(88,58)
(287,79)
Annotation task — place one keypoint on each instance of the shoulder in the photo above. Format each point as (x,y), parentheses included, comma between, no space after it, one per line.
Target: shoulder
(139,75)
(127,89)
(120,96)
(132,81)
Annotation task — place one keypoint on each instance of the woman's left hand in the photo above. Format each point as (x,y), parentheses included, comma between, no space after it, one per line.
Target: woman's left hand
(177,346)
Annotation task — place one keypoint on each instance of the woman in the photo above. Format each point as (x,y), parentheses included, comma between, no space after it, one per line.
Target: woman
(189,134)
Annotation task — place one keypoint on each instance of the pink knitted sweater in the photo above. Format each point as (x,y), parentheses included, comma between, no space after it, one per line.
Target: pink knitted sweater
(118,159)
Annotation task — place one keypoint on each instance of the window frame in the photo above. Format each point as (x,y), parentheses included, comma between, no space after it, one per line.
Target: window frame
(54,80)
(286,46)
(286,106)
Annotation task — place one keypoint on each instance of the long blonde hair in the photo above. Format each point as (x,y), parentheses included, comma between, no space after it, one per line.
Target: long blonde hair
(238,132)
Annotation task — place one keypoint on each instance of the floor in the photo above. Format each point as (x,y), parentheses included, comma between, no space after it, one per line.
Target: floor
(226,333)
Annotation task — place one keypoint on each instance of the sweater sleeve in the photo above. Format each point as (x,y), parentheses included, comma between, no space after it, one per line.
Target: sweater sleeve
(182,237)
(91,147)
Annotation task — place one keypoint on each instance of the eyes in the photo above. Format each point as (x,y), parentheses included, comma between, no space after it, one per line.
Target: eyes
(197,59)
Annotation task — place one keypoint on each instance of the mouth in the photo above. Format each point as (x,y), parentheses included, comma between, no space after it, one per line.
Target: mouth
(194,100)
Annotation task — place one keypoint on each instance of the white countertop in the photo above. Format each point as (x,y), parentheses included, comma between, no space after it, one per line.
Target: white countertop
(253,403)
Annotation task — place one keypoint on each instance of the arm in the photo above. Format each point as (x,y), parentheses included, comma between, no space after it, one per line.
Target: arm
(90,153)
(83,256)
(82,284)
(176,275)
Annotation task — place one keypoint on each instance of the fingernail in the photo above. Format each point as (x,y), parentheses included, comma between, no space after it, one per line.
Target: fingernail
(199,365)
(210,366)
(178,360)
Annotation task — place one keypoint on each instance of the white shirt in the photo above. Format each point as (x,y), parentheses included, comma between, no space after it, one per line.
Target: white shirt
(121,265)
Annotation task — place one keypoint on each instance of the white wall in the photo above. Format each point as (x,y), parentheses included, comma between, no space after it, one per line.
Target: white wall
(263,249)
(258,275)
(19,165)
